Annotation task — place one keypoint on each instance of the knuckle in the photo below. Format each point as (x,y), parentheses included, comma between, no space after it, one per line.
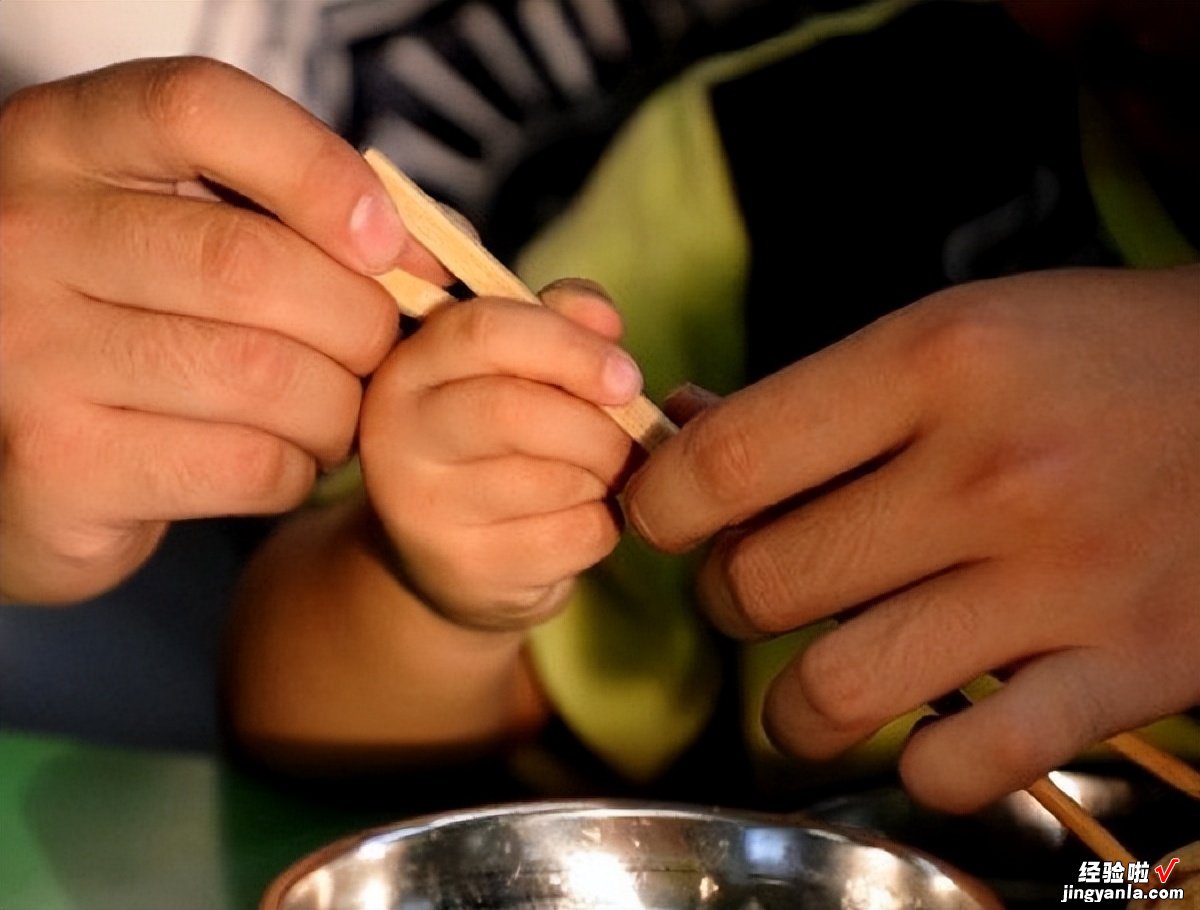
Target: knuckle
(168,350)
(722,458)
(23,227)
(110,554)
(325,157)
(265,473)
(965,339)
(757,583)
(1079,715)
(234,254)
(22,110)
(177,95)
(46,444)
(47,455)
(256,364)
(23,121)
(477,324)
(1025,483)
(30,444)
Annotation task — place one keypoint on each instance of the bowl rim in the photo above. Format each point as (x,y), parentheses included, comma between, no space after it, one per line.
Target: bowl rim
(613,808)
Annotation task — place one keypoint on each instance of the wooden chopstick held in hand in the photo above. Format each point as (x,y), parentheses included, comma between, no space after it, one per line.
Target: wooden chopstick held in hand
(1078,821)
(1163,765)
(1069,813)
(1166,767)
(1074,817)
(479,270)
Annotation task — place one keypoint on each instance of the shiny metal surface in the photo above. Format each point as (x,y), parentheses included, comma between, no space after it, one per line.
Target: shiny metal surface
(619,856)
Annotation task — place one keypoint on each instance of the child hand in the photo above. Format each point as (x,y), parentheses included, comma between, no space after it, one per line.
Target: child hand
(486,458)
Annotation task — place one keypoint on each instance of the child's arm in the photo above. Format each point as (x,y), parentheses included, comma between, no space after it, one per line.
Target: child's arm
(332,660)
(392,627)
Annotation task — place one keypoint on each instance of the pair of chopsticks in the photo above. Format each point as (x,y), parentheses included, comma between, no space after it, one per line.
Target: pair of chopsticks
(1069,813)
(480,271)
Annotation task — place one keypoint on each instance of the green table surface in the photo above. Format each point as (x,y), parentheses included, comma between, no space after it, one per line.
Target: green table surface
(84,826)
(89,827)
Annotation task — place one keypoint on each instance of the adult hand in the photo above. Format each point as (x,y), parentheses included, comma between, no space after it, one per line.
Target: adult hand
(1003,475)
(166,354)
(487,459)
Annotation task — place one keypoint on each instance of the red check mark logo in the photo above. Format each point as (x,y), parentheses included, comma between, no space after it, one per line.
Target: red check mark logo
(1164,874)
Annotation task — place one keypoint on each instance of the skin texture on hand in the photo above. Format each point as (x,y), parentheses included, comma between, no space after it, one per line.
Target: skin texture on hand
(1005,475)
(392,628)
(486,458)
(165,353)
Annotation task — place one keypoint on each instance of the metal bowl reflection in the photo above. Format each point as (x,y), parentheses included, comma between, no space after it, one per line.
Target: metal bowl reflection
(619,856)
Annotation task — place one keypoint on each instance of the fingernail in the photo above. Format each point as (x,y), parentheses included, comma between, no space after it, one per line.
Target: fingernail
(687,401)
(635,518)
(645,516)
(621,378)
(716,599)
(575,286)
(378,233)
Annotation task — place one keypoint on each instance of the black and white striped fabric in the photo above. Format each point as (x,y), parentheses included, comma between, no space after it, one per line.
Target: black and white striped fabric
(497,107)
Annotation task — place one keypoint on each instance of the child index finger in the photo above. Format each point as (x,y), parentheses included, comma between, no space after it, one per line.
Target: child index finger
(466,258)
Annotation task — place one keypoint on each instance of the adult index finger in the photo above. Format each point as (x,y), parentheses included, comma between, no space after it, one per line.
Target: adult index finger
(794,431)
(155,123)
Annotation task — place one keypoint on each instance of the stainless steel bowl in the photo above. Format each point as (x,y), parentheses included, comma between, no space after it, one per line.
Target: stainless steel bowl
(619,856)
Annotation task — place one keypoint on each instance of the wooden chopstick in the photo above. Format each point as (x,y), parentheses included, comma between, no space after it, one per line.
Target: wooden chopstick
(480,271)
(1074,817)
(414,296)
(1078,821)
(1070,814)
(1130,745)
(1163,765)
